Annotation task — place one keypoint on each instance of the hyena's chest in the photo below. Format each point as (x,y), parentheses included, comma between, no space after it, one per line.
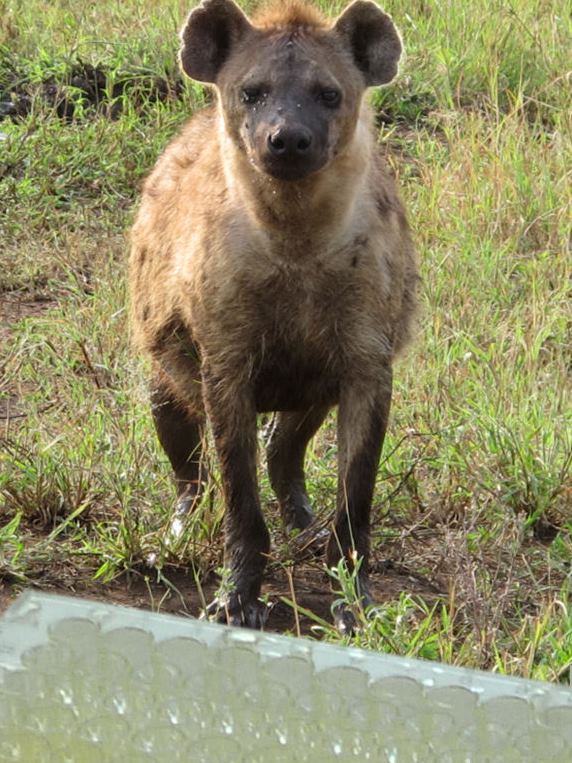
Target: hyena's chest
(306,331)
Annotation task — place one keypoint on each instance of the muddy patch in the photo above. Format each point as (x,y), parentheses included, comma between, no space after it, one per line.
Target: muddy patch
(177,592)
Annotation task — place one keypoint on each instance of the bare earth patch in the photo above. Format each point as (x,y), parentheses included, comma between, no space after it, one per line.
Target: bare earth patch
(180,595)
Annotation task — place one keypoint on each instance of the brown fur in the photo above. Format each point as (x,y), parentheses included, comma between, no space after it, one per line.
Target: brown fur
(277,15)
(251,293)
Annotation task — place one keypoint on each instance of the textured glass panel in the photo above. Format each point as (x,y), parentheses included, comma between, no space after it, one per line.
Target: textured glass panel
(82,681)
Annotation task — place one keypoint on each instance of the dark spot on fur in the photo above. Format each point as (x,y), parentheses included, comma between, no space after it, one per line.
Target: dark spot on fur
(361,241)
(354,260)
(183,161)
(402,218)
(145,313)
(173,334)
(152,190)
(142,255)
(382,204)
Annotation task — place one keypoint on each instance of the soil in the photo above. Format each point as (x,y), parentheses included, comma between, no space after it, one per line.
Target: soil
(181,596)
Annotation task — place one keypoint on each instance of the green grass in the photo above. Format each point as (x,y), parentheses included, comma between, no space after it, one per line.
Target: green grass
(474,495)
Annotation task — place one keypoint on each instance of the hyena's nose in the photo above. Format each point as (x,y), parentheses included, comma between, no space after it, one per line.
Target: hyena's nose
(290,142)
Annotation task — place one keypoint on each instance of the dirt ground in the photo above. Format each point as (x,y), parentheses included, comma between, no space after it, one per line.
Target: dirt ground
(181,596)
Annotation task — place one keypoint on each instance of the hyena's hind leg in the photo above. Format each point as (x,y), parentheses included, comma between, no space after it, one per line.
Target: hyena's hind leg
(289,437)
(180,429)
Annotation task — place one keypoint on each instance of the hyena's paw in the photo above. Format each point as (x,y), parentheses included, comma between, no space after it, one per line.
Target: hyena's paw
(233,610)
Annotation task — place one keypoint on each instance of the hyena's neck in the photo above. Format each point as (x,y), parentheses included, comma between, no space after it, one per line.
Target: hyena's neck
(319,208)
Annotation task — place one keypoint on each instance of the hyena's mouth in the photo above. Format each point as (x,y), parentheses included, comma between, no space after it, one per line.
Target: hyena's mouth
(290,170)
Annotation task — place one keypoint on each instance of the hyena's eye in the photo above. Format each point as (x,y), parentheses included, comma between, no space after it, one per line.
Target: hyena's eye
(330,97)
(251,95)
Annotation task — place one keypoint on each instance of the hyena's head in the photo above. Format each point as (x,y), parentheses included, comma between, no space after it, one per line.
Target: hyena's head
(290,85)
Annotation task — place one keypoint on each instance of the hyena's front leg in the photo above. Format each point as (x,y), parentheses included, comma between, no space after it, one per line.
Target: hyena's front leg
(180,431)
(230,408)
(362,421)
(290,435)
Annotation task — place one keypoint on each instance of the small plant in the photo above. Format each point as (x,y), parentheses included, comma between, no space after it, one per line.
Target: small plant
(225,586)
(346,587)
(11,549)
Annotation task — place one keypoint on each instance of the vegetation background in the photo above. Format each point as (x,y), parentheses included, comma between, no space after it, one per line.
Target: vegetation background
(473,508)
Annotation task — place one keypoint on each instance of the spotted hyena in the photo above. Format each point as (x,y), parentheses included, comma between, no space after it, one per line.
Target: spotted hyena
(272,270)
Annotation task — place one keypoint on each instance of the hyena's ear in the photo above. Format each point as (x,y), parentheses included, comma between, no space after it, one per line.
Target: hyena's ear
(373,40)
(210,31)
